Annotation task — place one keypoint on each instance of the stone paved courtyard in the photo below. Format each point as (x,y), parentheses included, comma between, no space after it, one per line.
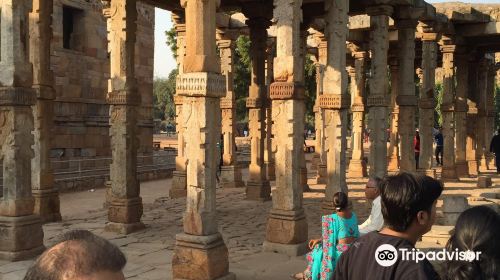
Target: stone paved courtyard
(242,224)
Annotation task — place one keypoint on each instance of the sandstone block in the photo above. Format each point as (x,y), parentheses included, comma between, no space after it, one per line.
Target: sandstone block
(484,182)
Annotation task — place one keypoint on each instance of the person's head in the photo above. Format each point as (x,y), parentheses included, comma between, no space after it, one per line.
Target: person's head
(79,255)
(340,201)
(409,202)
(476,230)
(372,187)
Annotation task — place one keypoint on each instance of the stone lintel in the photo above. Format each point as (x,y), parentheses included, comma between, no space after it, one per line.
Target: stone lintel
(17,96)
(123,98)
(377,101)
(406,100)
(254,103)
(201,84)
(426,103)
(380,10)
(286,90)
(334,101)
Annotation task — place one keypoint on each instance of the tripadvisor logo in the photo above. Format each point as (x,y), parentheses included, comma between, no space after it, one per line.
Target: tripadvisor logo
(387,255)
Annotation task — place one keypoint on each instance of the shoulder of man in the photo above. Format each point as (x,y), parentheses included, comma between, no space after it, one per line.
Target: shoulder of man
(422,270)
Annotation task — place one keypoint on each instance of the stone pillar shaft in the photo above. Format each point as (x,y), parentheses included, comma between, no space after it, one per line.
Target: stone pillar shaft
(357,165)
(406,100)
(427,101)
(287,226)
(125,207)
(42,178)
(472,118)
(393,152)
(258,187)
(482,115)
(462,72)
(448,109)
(335,101)
(268,153)
(200,252)
(321,175)
(490,115)
(377,100)
(22,234)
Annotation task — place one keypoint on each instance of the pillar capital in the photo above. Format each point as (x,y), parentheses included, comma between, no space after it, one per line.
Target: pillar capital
(380,10)
(360,55)
(430,37)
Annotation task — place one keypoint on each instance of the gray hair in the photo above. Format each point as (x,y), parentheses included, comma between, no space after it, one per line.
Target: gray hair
(376,179)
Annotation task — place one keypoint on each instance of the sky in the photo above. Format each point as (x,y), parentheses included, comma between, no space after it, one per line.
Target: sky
(164,60)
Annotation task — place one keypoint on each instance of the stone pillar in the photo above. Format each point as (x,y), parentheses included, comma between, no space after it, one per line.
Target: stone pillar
(427,102)
(490,114)
(377,99)
(21,230)
(303,51)
(200,252)
(125,208)
(321,173)
(393,152)
(335,100)
(357,165)
(482,115)
(462,71)
(448,109)
(268,153)
(471,140)
(178,187)
(286,231)
(42,178)
(258,187)
(230,176)
(406,100)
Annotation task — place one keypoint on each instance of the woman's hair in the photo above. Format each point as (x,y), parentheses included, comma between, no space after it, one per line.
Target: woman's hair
(340,201)
(476,230)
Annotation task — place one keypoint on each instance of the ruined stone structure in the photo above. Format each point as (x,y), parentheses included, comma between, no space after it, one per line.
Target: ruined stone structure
(400,36)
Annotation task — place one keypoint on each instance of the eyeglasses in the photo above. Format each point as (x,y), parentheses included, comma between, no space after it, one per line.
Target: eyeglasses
(366,187)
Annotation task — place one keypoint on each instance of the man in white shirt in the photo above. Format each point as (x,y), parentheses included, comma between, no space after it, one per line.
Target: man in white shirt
(375,221)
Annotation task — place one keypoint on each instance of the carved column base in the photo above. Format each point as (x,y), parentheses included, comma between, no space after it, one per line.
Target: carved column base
(462,169)
(47,205)
(270,171)
(286,232)
(357,169)
(21,238)
(449,173)
(472,168)
(393,164)
(200,258)
(259,191)
(178,188)
(483,165)
(321,175)
(124,215)
(230,177)
(303,180)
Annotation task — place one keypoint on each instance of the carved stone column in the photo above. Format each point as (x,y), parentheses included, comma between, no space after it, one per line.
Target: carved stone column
(393,151)
(125,208)
(286,231)
(462,72)
(268,153)
(335,100)
(406,100)
(448,109)
(357,165)
(258,187)
(321,173)
(230,176)
(472,118)
(21,231)
(482,146)
(200,252)
(377,99)
(490,114)
(303,51)
(427,102)
(42,178)
(178,188)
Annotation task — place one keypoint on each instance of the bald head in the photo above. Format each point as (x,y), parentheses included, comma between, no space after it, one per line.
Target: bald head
(79,254)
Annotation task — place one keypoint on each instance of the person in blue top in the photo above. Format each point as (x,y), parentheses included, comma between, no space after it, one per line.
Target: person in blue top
(339,230)
(439,147)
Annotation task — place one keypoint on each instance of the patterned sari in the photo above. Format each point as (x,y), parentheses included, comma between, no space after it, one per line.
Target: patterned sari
(322,259)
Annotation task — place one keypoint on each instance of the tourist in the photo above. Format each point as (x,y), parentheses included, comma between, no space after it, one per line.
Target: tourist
(409,210)
(416,147)
(495,148)
(438,138)
(476,230)
(339,230)
(375,221)
(79,255)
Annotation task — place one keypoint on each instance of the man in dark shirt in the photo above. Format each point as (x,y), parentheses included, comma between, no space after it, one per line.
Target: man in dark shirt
(495,148)
(439,147)
(409,210)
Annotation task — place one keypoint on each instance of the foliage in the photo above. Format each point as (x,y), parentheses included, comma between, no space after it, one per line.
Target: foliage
(172,40)
(310,91)
(438,95)
(163,98)
(241,76)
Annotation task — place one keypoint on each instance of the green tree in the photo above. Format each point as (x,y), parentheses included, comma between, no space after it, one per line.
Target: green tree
(310,91)
(163,98)
(172,41)
(438,95)
(241,77)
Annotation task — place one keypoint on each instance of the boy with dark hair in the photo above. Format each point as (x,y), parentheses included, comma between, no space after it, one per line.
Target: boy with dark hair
(409,210)
(79,254)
